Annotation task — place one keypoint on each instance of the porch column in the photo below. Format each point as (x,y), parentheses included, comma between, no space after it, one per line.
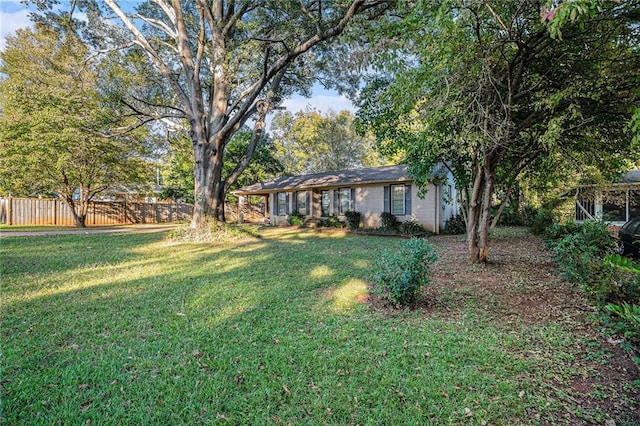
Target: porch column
(240,206)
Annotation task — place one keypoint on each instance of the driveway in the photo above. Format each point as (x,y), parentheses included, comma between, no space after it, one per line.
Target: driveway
(138,229)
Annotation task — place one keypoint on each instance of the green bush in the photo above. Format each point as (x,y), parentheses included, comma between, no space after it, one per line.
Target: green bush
(353,219)
(331,222)
(411,227)
(556,231)
(541,221)
(512,216)
(296,219)
(628,320)
(580,254)
(455,226)
(388,222)
(399,275)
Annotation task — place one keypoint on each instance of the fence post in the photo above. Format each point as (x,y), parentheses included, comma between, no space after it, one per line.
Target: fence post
(55,211)
(9,211)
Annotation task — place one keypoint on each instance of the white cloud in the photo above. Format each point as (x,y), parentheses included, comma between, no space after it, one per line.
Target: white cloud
(11,21)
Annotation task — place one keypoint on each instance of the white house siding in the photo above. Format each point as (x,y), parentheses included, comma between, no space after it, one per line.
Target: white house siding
(424,209)
(370,202)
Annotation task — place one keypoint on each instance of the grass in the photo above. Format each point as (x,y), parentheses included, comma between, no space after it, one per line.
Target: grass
(30,228)
(135,329)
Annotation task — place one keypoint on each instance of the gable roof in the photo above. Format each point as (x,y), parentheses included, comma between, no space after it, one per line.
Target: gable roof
(371,175)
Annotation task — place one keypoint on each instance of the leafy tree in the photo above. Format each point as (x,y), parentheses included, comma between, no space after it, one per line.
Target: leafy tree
(60,132)
(485,88)
(178,170)
(308,142)
(221,63)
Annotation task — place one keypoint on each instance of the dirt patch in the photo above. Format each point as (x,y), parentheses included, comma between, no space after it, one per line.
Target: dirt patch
(521,288)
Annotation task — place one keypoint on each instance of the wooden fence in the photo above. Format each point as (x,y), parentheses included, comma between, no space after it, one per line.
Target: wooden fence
(53,211)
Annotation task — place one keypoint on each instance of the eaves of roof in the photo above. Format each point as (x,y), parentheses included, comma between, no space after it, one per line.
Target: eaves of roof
(358,177)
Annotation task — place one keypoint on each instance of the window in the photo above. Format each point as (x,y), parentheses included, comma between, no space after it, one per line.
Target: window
(345,200)
(397,200)
(634,204)
(301,202)
(325,203)
(614,206)
(282,203)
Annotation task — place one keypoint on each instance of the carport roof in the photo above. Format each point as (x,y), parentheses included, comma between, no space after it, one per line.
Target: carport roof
(372,175)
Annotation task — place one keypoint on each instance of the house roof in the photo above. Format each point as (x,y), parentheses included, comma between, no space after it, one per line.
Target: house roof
(372,175)
(632,176)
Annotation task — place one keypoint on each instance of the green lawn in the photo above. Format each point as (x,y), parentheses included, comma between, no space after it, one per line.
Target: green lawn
(134,329)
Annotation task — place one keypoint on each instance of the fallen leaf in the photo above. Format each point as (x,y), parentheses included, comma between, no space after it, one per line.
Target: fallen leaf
(180,314)
(286,389)
(468,412)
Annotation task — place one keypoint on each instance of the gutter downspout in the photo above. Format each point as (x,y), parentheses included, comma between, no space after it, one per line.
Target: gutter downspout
(436,225)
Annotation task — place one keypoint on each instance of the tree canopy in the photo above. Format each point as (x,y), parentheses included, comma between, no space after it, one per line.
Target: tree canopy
(178,169)
(310,142)
(484,87)
(60,131)
(219,65)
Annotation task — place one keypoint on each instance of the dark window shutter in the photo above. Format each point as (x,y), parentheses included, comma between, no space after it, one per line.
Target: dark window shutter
(286,210)
(387,199)
(308,211)
(294,208)
(352,204)
(407,199)
(336,201)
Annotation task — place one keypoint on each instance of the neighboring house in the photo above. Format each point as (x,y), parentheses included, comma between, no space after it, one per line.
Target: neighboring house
(369,191)
(615,204)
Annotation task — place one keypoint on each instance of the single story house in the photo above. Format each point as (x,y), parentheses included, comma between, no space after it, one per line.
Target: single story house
(615,204)
(369,191)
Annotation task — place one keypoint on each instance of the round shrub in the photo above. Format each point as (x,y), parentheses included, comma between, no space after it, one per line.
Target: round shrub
(455,226)
(411,227)
(331,222)
(353,219)
(296,219)
(399,275)
(541,221)
(388,221)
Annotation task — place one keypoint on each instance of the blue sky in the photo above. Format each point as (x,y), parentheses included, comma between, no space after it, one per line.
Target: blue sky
(14,15)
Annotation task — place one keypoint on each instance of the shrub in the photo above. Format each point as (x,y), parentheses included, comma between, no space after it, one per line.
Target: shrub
(628,323)
(388,221)
(580,255)
(353,219)
(411,227)
(510,216)
(455,226)
(399,275)
(296,219)
(557,231)
(541,221)
(331,222)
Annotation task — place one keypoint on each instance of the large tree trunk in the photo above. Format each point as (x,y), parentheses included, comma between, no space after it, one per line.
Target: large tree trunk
(473,215)
(79,209)
(208,186)
(485,219)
